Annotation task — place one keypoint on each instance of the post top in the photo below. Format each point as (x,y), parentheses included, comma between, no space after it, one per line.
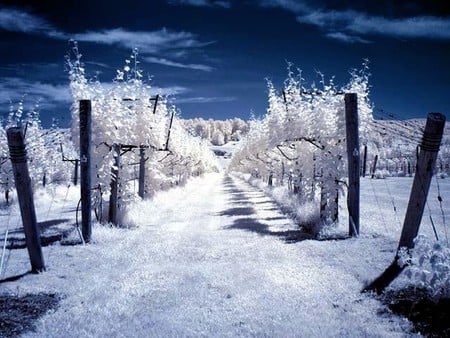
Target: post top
(14,130)
(438,117)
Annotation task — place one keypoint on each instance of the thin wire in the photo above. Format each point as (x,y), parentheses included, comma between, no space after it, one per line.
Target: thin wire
(393,204)
(379,206)
(439,197)
(3,253)
(4,244)
(428,207)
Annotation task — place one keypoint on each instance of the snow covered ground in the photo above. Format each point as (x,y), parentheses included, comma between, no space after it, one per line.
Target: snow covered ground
(216,258)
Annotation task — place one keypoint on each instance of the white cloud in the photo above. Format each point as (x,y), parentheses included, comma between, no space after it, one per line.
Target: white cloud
(14,89)
(170,91)
(327,19)
(202,3)
(346,38)
(202,99)
(170,63)
(146,42)
(412,27)
(47,97)
(19,21)
(163,41)
(14,20)
(359,23)
(296,6)
(349,22)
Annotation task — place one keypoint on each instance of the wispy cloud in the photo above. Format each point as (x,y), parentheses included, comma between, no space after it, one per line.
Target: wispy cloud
(202,99)
(46,96)
(202,3)
(358,23)
(345,25)
(162,41)
(296,6)
(170,91)
(18,21)
(413,27)
(343,37)
(14,89)
(170,63)
(146,42)
(14,20)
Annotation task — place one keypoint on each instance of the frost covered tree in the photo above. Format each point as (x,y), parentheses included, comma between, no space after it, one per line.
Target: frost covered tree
(231,129)
(42,146)
(122,113)
(301,139)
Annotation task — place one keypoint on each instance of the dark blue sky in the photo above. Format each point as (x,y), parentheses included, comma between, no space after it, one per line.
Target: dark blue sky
(213,56)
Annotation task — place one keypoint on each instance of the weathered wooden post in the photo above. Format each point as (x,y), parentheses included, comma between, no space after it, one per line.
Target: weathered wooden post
(168,132)
(114,197)
(141,191)
(374,168)
(75,174)
(25,196)
(364,168)
(352,133)
(323,203)
(156,103)
(429,148)
(85,169)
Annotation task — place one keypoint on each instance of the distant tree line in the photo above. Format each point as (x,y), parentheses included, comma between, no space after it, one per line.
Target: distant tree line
(218,132)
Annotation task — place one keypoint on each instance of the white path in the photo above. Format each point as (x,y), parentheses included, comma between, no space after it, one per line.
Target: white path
(215,258)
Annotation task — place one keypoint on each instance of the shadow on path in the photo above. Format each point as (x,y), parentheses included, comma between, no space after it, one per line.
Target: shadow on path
(248,220)
(50,232)
(253,225)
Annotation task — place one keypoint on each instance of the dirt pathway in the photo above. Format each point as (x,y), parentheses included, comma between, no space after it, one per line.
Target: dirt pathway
(214,258)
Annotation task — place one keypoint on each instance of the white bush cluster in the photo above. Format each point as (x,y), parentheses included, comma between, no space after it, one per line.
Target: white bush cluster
(43,148)
(123,113)
(301,139)
(428,266)
(216,131)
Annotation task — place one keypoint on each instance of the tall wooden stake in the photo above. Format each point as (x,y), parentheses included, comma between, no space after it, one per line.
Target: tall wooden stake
(431,142)
(25,196)
(352,132)
(85,169)
(426,164)
(75,174)
(364,168)
(168,133)
(374,168)
(113,200)
(141,191)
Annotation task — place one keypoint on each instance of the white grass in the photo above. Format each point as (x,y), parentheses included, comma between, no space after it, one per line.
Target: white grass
(209,259)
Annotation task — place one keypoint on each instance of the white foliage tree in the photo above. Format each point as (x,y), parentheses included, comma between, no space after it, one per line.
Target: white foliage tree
(122,113)
(301,139)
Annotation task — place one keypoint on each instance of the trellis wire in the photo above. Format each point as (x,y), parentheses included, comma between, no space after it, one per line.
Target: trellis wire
(439,197)
(379,206)
(393,204)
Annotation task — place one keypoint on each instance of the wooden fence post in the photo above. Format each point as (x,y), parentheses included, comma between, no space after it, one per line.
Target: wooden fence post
(75,174)
(429,149)
(113,200)
(426,164)
(364,168)
(85,169)
(25,196)
(141,191)
(374,168)
(352,133)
